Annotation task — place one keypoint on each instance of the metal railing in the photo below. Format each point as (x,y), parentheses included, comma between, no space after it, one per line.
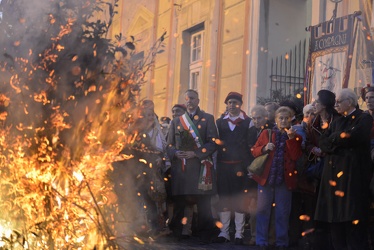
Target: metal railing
(287,71)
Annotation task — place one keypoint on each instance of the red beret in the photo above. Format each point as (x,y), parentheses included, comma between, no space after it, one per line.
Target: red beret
(234,95)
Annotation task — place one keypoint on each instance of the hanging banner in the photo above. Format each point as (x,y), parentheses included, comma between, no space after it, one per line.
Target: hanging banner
(330,56)
(364,74)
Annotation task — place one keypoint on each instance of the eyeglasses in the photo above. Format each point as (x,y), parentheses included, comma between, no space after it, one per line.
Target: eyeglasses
(340,101)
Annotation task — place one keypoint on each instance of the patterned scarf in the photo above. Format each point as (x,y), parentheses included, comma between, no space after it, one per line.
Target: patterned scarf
(276,174)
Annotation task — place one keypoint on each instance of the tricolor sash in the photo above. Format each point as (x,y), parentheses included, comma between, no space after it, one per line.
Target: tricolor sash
(205,178)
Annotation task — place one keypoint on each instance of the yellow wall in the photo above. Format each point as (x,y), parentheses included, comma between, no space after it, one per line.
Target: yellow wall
(224,51)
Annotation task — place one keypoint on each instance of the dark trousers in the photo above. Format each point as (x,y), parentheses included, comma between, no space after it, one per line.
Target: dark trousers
(346,235)
(322,237)
(231,185)
(205,223)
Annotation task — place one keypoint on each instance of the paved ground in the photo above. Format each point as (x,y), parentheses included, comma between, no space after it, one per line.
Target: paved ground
(193,244)
(169,243)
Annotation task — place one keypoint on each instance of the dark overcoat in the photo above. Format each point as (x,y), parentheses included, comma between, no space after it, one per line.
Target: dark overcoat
(184,181)
(234,145)
(344,189)
(233,154)
(314,132)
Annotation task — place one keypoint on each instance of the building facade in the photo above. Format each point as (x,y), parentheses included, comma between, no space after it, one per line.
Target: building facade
(218,46)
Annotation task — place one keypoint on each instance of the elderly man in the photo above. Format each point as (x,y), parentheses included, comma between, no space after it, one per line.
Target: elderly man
(343,200)
(191,143)
(178,110)
(232,161)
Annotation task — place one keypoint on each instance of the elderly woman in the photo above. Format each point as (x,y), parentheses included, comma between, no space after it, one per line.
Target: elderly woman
(308,115)
(343,198)
(278,179)
(260,122)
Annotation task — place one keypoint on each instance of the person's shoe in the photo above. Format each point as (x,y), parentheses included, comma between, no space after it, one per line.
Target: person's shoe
(220,239)
(239,241)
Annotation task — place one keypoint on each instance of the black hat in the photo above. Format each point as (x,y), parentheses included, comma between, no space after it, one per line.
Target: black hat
(292,105)
(234,95)
(365,90)
(326,98)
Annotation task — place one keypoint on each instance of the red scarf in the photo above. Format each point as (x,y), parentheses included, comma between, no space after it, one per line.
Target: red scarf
(238,120)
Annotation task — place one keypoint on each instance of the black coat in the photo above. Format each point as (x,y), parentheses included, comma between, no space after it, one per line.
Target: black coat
(186,182)
(344,190)
(234,144)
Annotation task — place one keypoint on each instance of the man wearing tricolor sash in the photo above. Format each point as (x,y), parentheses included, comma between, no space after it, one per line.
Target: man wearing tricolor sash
(191,142)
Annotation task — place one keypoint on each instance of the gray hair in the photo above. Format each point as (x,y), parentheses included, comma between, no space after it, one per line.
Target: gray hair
(307,108)
(274,106)
(192,91)
(350,95)
(260,110)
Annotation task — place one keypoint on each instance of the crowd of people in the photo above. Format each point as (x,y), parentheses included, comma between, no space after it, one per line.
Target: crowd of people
(313,190)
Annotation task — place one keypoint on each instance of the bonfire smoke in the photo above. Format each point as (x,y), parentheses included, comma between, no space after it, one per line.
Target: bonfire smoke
(65,102)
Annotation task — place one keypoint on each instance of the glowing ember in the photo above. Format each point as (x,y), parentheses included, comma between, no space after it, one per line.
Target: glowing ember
(343,135)
(307,232)
(139,240)
(184,220)
(339,193)
(340,174)
(304,217)
(332,183)
(325,125)
(218,142)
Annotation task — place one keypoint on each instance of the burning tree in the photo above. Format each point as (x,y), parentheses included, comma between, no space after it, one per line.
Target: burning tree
(67,94)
